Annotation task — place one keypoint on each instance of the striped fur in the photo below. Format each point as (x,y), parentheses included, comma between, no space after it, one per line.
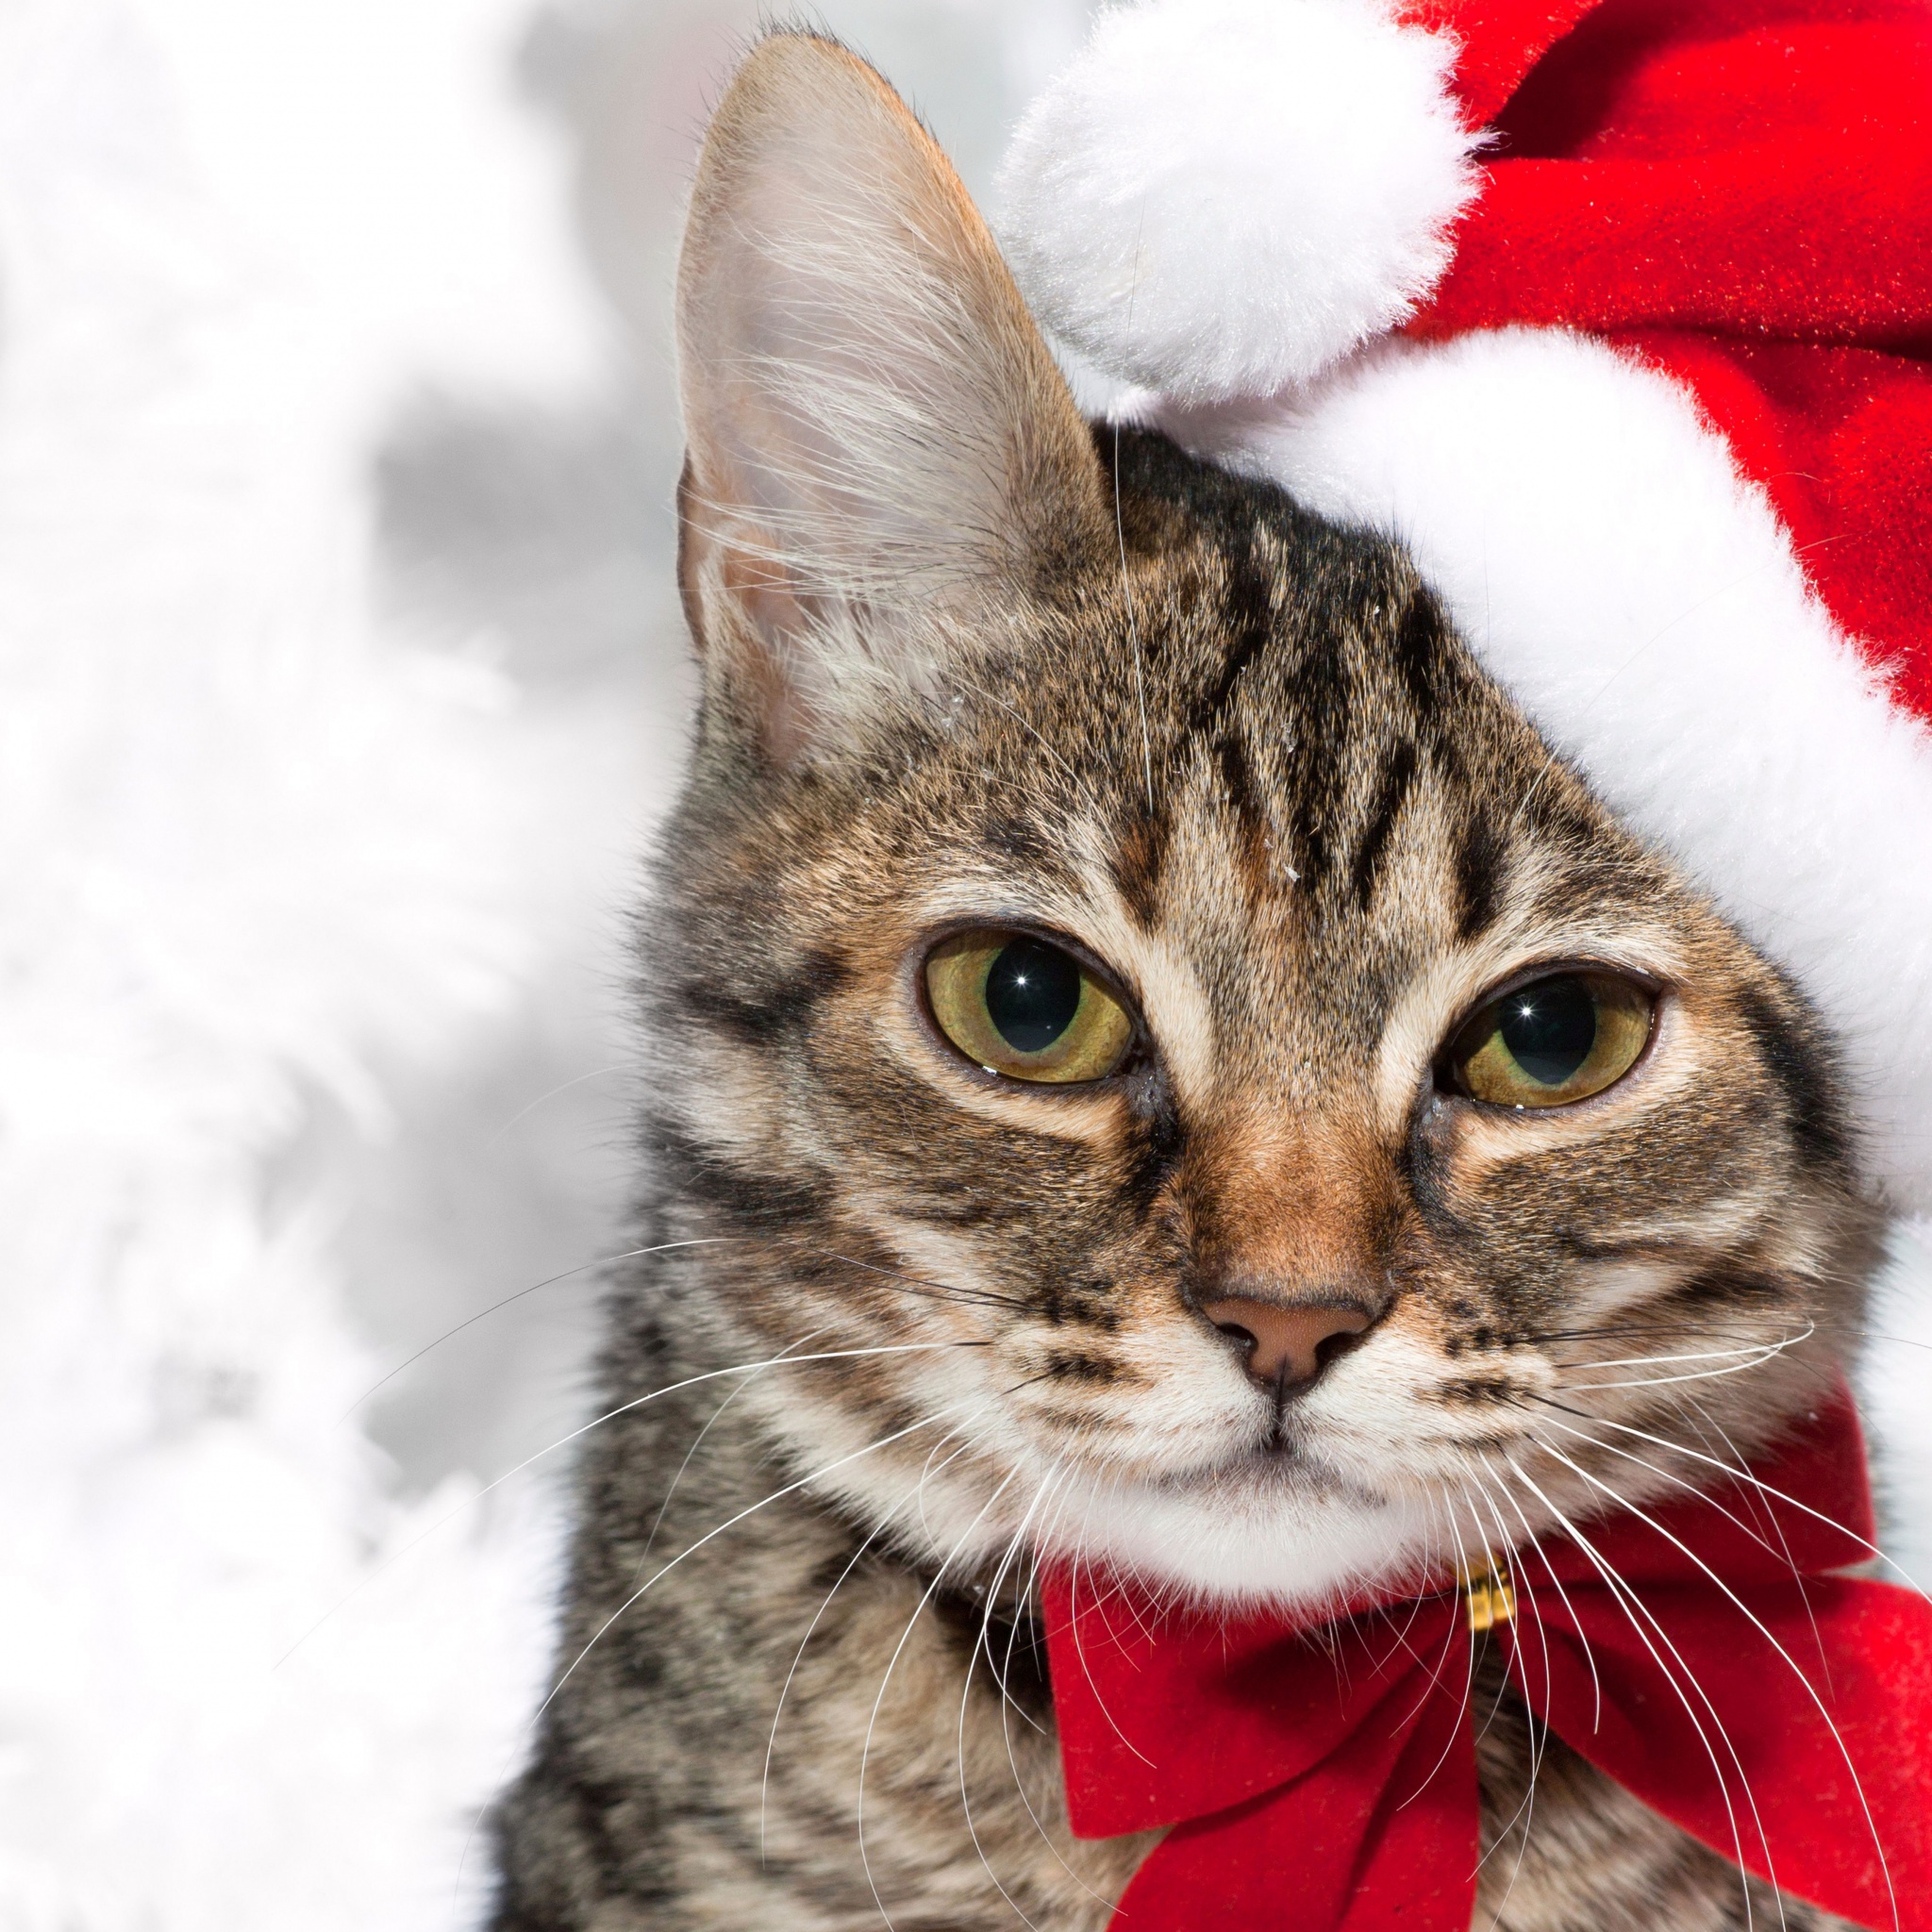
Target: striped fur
(922,1326)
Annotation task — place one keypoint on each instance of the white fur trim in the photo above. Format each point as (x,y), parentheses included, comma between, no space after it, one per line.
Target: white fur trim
(1222,196)
(1596,544)
(1890,1381)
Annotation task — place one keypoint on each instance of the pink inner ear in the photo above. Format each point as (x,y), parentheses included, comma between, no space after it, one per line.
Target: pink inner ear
(765,593)
(879,436)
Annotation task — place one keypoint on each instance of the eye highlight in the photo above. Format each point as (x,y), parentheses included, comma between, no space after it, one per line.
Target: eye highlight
(1024,1007)
(1552,1040)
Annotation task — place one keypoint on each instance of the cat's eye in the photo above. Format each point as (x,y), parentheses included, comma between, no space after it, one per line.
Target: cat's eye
(1552,1041)
(1023,1007)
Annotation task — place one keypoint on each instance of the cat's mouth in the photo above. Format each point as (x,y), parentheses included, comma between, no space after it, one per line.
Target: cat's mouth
(1283,1444)
(1283,1459)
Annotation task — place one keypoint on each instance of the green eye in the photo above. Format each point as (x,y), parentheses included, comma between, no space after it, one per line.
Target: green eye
(1552,1042)
(1021,1006)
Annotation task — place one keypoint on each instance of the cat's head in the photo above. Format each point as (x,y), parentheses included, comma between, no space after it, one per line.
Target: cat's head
(1124,966)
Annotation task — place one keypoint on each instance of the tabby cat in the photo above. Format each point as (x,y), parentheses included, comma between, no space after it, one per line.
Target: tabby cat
(1155,1062)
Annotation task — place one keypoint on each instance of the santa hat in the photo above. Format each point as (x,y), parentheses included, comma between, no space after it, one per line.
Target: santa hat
(1616,313)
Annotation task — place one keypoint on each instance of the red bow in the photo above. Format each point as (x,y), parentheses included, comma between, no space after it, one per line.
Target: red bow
(1701,1652)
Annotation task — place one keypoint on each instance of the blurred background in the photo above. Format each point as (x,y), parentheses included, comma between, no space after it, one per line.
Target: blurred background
(342,682)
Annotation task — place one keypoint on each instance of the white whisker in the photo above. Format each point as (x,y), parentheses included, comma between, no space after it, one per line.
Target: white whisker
(877,1530)
(1080,1648)
(597,1422)
(1630,1604)
(644,1590)
(1744,1475)
(1782,1549)
(1467,1697)
(1531,1543)
(1031,1594)
(1758,1358)
(534,1288)
(981,1642)
(1525,1813)
(1764,1631)
(1754,1500)
(1705,1355)
(1676,1481)
(892,1663)
(697,1442)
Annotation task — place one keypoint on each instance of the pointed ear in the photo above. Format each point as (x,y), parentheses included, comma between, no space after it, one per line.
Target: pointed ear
(885,467)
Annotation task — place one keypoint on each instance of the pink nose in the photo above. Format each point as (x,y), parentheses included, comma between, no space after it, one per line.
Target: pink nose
(1286,1340)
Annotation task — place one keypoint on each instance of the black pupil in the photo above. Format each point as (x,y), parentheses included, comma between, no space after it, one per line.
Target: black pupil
(1550,1028)
(1032,993)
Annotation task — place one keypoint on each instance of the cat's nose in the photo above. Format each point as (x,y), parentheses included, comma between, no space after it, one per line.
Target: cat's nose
(1288,1343)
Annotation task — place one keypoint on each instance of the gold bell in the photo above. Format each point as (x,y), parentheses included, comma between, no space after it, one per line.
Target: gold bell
(1489,1593)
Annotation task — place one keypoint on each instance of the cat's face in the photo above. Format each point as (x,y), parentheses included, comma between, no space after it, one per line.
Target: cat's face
(1121,961)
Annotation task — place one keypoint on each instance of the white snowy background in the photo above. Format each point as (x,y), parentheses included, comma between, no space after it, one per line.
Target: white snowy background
(339,679)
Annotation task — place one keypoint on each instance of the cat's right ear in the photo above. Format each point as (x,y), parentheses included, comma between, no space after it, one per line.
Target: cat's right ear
(885,468)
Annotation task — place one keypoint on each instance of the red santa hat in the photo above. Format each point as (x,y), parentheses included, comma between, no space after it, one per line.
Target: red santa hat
(1617,313)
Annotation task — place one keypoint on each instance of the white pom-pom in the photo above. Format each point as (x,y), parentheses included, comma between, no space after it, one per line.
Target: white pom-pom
(1220,197)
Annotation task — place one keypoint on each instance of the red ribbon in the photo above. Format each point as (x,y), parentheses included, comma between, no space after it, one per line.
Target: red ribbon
(1702,1653)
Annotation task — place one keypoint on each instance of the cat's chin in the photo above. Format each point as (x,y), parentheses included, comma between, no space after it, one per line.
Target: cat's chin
(1268,1522)
(1269,1526)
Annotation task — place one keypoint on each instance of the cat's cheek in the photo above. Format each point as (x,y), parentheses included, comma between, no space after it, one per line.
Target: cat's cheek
(1603,1292)
(1162,1400)
(1404,1408)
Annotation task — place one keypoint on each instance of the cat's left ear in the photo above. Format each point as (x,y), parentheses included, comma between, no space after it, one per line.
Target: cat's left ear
(885,468)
